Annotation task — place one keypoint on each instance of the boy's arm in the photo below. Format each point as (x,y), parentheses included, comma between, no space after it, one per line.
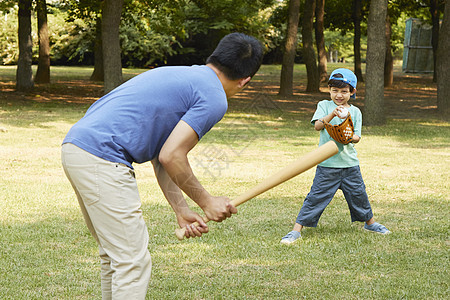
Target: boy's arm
(355,139)
(357,123)
(320,123)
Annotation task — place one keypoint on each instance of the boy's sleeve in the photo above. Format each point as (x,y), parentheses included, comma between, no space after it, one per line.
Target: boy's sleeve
(319,113)
(357,123)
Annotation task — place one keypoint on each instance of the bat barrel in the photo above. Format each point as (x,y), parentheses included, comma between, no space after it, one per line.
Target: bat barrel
(299,166)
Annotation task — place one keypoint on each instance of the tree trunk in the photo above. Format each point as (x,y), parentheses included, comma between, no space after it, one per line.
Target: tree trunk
(24,74)
(308,47)
(97,74)
(320,41)
(43,70)
(287,68)
(389,60)
(434,11)
(357,39)
(376,52)
(112,11)
(442,63)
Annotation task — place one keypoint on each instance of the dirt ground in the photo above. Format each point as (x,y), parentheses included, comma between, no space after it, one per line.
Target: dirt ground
(412,96)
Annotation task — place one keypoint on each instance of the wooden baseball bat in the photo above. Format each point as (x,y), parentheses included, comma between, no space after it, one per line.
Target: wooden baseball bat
(299,166)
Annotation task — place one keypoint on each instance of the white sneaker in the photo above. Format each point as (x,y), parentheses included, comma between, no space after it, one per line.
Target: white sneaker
(376,227)
(291,237)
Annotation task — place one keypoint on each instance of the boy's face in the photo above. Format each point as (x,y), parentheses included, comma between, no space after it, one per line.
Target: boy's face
(341,96)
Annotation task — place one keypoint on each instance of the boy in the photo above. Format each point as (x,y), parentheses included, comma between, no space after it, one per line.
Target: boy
(157,116)
(340,171)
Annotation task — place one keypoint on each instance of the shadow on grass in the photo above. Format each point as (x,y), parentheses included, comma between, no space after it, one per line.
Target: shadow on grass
(28,115)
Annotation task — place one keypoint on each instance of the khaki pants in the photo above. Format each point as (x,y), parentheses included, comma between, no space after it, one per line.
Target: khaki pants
(108,196)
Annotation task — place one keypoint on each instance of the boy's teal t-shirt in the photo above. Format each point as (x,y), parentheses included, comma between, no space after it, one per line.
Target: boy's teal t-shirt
(347,156)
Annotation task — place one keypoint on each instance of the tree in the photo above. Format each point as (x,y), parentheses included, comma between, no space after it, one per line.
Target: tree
(89,10)
(202,23)
(376,52)
(442,62)
(356,16)
(24,74)
(349,16)
(389,60)
(112,64)
(287,67)
(43,70)
(309,56)
(98,72)
(434,11)
(320,41)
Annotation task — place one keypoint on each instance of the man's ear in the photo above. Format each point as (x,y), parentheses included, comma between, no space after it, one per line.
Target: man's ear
(243,81)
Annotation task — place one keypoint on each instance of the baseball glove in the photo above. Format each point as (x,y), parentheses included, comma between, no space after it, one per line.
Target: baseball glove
(342,133)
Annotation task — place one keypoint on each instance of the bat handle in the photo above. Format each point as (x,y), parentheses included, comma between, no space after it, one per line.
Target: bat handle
(180,232)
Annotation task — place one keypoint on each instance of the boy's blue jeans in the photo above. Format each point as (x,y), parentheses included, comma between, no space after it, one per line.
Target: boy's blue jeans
(325,185)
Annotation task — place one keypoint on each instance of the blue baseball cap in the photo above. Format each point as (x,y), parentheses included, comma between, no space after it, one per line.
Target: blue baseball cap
(347,76)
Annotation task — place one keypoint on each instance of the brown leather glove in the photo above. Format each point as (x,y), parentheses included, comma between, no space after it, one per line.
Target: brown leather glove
(342,133)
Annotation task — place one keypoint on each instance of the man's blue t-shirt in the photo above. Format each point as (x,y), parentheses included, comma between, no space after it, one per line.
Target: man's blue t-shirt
(132,122)
(347,156)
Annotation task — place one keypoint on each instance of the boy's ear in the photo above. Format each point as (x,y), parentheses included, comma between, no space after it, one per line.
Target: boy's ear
(354,91)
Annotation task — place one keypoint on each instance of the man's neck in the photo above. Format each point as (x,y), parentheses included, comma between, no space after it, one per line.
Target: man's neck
(226,83)
(231,87)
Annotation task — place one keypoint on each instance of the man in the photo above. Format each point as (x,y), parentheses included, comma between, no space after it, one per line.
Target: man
(157,116)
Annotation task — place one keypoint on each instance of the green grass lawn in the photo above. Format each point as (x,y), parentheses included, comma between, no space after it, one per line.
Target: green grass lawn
(46,251)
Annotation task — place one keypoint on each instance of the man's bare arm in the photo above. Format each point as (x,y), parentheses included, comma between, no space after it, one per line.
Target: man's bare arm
(173,157)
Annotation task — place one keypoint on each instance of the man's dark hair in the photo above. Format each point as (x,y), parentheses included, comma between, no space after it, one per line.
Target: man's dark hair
(237,56)
(339,83)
